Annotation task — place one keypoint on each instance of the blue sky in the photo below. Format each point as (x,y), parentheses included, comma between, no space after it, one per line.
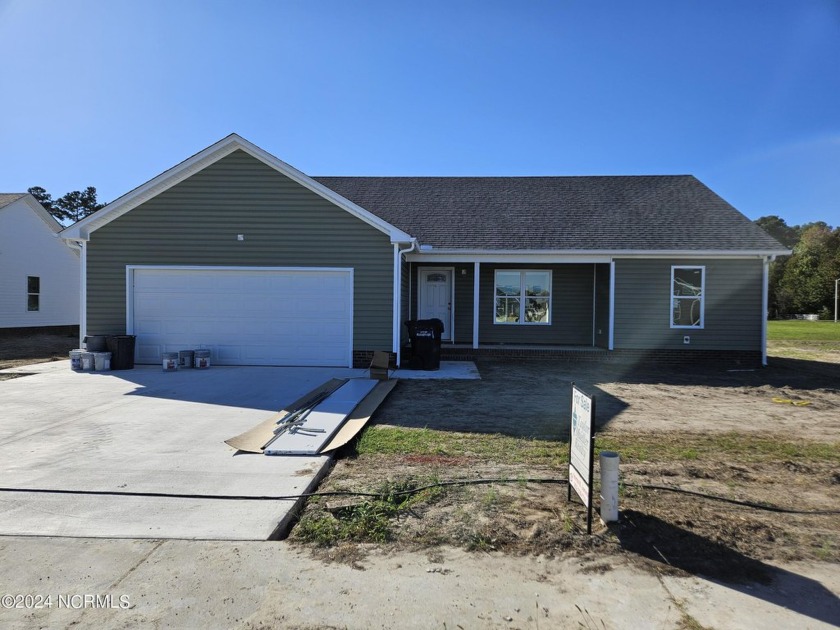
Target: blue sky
(744,95)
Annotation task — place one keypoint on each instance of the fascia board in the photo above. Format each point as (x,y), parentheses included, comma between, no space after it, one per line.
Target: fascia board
(461,255)
(41,211)
(201,160)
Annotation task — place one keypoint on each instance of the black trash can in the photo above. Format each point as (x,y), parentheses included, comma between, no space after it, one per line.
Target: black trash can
(425,336)
(121,348)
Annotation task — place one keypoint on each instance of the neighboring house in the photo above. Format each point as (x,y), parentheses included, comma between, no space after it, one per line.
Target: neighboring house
(39,273)
(236,251)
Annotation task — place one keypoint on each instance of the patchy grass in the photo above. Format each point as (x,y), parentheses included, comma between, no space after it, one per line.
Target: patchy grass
(804,340)
(428,446)
(367,521)
(387,440)
(519,516)
(742,447)
(803,330)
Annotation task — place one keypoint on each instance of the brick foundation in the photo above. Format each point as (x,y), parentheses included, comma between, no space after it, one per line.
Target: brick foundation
(28,331)
(686,358)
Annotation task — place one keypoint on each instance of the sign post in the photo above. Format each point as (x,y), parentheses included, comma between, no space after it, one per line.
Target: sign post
(581,448)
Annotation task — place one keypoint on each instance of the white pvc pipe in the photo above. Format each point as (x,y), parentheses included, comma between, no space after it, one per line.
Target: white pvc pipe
(609,486)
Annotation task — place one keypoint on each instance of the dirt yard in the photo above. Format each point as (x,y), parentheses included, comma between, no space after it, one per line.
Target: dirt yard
(20,350)
(768,437)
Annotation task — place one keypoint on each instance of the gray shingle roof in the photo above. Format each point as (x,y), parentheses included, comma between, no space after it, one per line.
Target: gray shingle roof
(662,212)
(7,198)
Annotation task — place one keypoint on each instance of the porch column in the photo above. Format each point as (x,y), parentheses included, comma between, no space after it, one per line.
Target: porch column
(476,268)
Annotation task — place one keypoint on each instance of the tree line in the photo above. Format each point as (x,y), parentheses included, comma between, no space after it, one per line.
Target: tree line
(803,283)
(69,208)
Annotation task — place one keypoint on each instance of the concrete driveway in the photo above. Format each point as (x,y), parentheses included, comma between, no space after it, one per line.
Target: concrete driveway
(148,431)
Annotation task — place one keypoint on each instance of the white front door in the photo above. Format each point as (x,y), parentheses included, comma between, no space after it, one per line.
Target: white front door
(436,298)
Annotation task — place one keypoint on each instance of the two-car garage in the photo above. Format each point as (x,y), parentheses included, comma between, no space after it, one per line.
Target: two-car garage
(243,315)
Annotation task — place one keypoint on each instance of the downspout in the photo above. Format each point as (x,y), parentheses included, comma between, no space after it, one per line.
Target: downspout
(765,302)
(397,316)
(82,247)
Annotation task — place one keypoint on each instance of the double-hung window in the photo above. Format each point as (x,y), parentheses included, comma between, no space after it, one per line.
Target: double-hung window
(687,296)
(522,297)
(33,293)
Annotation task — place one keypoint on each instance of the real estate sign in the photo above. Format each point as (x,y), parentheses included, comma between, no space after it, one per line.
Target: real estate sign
(581,445)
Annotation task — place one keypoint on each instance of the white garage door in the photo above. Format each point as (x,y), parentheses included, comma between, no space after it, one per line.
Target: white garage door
(244,316)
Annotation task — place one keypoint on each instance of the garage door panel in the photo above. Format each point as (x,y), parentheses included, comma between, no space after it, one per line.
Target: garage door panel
(245,317)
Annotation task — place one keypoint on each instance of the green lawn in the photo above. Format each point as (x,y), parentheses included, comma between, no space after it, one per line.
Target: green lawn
(802,330)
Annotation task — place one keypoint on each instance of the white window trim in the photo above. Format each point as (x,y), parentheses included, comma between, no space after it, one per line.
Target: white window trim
(702,297)
(522,297)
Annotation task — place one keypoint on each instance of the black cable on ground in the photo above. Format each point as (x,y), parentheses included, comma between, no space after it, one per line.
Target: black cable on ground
(397,493)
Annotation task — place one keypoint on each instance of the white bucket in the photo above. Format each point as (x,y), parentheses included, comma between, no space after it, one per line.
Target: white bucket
(185,358)
(170,361)
(202,359)
(101,361)
(87,361)
(76,360)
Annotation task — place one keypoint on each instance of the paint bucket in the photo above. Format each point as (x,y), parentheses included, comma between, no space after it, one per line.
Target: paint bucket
(170,361)
(101,361)
(76,359)
(87,361)
(202,359)
(185,358)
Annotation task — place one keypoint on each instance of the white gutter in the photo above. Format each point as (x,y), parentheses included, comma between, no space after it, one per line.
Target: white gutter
(584,255)
(82,247)
(397,314)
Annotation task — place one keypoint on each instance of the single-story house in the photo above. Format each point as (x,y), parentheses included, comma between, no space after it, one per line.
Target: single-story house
(236,251)
(39,273)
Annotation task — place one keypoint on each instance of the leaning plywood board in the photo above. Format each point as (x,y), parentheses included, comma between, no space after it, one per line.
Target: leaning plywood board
(253,439)
(322,422)
(360,416)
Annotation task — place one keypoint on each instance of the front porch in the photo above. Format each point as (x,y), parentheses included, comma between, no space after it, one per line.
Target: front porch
(511,308)
(466,352)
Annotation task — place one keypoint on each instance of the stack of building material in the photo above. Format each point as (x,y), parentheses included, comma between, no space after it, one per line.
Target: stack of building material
(324,419)
(311,430)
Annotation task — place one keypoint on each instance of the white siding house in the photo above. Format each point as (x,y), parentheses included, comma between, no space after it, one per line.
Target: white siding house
(39,273)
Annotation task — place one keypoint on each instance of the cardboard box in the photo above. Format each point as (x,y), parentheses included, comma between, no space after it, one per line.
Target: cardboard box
(379,365)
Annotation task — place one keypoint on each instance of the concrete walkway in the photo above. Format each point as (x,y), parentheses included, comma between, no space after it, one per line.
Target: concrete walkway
(203,584)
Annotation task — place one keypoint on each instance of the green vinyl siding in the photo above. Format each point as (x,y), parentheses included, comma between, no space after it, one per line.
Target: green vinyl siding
(602,305)
(733,317)
(571,308)
(196,222)
(464,275)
